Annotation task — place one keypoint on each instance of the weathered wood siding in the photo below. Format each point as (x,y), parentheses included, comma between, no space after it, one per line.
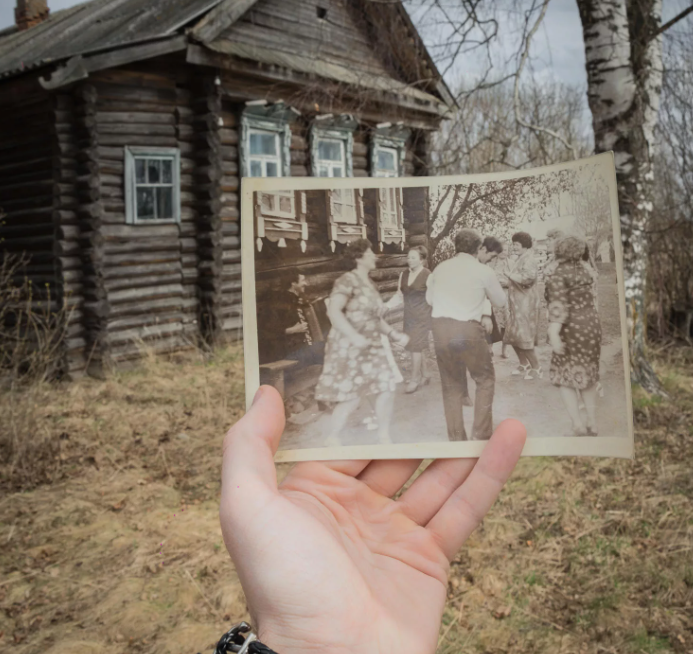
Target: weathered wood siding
(295,27)
(149,271)
(38,195)
(231,310)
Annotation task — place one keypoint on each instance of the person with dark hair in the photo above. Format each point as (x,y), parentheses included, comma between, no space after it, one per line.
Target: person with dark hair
(358,363)
(411,292)
(524,304)
(575,334)
(490,248)
(458,292)
(283,324)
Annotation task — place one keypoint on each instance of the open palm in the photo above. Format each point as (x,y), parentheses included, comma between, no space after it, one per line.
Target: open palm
(329,560)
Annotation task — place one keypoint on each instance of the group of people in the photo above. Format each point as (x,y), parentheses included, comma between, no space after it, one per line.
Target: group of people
(467,305)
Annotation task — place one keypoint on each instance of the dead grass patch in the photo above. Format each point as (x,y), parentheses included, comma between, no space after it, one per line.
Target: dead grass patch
(122,552)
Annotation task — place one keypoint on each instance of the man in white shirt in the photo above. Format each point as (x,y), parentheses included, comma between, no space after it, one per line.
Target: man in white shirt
(458,291)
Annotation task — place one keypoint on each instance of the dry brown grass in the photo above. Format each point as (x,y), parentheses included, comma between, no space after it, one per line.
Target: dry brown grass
(123,552)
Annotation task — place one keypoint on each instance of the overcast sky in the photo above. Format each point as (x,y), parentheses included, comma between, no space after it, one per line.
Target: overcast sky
(557,51)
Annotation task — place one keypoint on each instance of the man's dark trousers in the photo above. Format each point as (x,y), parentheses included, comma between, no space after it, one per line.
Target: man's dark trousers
(462,346)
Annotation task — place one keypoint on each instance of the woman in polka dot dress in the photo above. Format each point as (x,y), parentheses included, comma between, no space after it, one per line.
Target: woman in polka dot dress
(575,334)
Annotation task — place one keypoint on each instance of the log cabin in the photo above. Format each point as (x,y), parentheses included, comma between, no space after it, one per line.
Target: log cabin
(127,125)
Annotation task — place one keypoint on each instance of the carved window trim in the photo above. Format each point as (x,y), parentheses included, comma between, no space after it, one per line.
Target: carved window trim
(342,231)
(333,128)
(392,138)
(390,216)
(131,155)
(278,228)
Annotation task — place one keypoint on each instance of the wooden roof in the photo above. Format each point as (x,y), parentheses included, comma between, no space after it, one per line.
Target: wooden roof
(106,33)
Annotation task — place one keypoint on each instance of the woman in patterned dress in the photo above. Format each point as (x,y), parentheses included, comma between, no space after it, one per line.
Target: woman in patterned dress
(524,305)
(575,334)
(411,292)
(358,362)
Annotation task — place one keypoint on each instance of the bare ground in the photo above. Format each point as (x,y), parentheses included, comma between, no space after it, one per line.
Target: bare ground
(122,552)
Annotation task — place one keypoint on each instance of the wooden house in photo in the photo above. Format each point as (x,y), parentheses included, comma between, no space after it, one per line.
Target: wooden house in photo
(127,125)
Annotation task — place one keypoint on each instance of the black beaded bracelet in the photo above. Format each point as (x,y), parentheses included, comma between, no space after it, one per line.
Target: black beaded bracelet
(241,639)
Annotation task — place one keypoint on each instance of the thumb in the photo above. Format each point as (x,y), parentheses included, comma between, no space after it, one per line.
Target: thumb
(248,470)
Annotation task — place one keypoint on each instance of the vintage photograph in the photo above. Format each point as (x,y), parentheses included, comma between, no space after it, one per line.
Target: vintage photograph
(409,317)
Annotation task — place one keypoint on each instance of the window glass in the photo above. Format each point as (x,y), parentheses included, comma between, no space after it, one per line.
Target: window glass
(330,150)
(331,156)
(264,154)
(263,143)
(145,204)
(386,162)
(154,187)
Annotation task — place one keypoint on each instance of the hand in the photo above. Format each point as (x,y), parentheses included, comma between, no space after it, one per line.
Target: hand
(557,345)
(298,328)
(487,324)
(359,341)
(400,338)
(329,562)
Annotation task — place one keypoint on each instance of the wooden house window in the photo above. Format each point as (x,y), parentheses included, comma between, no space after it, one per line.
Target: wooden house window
(386,162)
(343,206)
(390,217)
(331,158)
(152,185)
(264,153)
(388,145)
(332,145)
(281,204)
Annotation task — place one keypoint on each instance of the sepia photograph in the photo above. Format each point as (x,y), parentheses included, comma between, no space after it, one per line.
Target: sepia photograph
(410,317)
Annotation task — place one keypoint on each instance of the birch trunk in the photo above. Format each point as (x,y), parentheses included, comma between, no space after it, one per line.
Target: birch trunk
(624,76)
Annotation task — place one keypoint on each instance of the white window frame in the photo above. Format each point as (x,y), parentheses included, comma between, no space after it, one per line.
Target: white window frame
(390,206)
(277,212)
(384,172)
(347,199)
(133,153)
(333,128)
(329,163)
(264,159)
(251,123)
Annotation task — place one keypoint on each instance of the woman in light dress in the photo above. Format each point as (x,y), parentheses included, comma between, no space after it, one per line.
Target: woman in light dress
(524,305)
(358,362)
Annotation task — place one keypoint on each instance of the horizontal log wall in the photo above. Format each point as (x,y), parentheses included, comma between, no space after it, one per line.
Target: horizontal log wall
(149,271)
(231,301)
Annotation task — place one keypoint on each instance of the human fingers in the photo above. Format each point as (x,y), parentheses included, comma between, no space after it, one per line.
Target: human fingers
(424,498)
(466,507)
(388,477)
(249,448)
(348,467)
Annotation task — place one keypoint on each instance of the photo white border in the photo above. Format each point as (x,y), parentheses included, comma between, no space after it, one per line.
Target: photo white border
(606,446)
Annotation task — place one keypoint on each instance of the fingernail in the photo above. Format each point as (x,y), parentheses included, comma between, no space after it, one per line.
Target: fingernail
(258,394)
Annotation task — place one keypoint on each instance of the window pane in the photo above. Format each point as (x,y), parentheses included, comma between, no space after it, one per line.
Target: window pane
(386,160)
(140,171)
(255,169)
(323,171)
(272,169)
(167,171)
(164,202)
(153,171)
(267,201)
(145,203)
(330,150)
(284,204)
(337,171)
(263,143)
